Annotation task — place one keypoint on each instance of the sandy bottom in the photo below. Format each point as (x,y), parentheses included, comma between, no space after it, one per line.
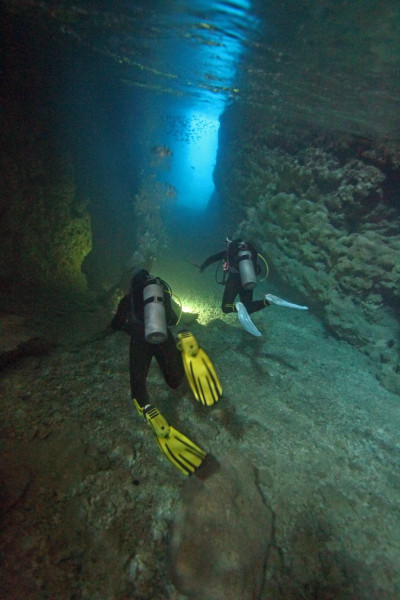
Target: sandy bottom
(87,499)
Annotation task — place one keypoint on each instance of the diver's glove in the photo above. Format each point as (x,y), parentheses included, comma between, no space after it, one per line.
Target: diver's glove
(280,302)
(199,370)
(180,451)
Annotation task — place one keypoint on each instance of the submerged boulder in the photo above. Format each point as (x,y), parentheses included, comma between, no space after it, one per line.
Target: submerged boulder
(221,533)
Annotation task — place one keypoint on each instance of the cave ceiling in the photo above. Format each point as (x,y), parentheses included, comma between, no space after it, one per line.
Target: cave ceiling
(332,65)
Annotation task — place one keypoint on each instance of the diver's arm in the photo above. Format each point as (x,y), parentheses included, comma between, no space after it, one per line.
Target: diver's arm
(121,317)
(212,259)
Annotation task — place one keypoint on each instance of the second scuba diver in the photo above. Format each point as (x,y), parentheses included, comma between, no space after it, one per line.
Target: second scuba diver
(145,313)
(240,264)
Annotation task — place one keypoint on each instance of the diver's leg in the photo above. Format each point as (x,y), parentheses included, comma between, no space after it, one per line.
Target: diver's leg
(246,296)
(170,361)
(140,355)
(184,454)
(232,288)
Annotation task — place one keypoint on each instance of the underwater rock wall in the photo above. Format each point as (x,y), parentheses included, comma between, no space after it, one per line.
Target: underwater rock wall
(328,221)
(45,232)
(45,229)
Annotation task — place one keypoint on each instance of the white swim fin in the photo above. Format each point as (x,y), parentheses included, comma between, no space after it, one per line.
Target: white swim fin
(280,302)
(245,320)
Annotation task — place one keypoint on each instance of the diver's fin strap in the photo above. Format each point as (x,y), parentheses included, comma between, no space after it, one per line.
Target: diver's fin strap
(231,306)
(280,302)
(139,408)
(156,421)
(188,343)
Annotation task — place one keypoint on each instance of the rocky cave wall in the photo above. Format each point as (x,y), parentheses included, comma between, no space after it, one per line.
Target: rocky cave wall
(45,228)
(327,217)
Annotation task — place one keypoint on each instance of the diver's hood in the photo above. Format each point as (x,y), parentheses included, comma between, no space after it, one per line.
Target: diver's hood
(139,276)
(236,241)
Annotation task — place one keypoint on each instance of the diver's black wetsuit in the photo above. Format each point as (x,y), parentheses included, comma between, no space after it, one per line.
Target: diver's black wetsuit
(141,352)
(233,285)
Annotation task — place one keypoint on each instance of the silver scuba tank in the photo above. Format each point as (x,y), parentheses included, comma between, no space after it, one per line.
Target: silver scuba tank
(155,321)
(246,270)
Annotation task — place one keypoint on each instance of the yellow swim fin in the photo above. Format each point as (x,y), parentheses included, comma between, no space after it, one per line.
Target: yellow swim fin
(199,370)
(180,451)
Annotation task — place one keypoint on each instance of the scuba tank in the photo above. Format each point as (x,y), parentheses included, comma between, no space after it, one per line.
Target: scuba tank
(155,321)
(246,268)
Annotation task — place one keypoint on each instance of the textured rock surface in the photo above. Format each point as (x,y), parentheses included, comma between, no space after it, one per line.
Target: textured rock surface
(221,534)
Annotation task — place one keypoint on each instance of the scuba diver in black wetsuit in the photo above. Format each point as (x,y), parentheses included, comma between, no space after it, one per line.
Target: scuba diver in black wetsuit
(145,314)
(159,343)
(240,261)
